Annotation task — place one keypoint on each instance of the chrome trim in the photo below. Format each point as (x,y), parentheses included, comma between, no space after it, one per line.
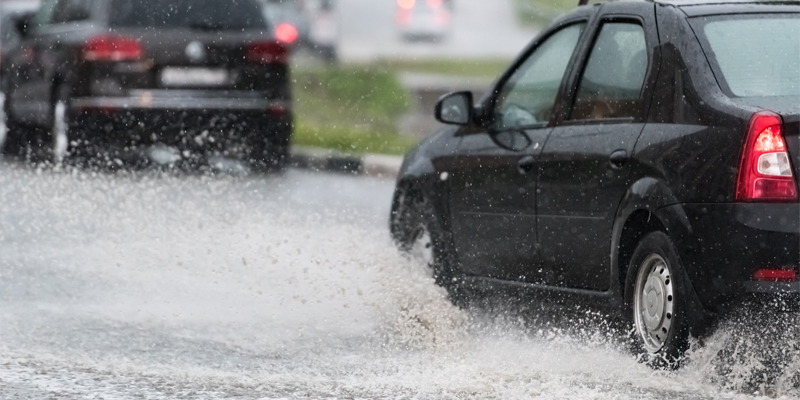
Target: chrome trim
(183,99)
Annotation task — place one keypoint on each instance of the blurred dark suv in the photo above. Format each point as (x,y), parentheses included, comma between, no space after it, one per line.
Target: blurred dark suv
(111,78)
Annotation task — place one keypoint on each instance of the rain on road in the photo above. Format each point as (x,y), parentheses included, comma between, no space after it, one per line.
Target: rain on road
(170,286)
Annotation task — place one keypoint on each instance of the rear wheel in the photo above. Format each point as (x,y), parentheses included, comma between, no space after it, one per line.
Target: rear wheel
(269,146)
(49,145)
(659,301)
(13,136)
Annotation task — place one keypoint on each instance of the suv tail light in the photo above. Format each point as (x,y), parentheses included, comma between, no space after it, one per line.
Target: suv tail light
(765,172)
(286,33)
(271,52)
(112,48)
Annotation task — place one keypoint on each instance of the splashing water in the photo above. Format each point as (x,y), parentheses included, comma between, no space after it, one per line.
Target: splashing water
(288,286)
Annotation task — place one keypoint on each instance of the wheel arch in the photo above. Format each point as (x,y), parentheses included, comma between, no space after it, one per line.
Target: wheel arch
(643,209)
(649,206)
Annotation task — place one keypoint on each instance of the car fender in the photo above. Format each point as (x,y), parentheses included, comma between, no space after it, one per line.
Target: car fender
(419,173)
(653,196)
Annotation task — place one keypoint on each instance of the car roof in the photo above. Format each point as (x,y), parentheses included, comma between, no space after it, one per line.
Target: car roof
(694,8)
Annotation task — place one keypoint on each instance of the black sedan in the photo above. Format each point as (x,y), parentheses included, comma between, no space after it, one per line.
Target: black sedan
(638,156)
(103,79)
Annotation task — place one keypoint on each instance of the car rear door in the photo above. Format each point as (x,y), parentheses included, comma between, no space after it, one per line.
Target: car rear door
(493,186)
(585,163)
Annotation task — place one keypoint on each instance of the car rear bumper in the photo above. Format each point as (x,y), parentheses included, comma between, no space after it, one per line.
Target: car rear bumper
(198,129)
(722,245)
(182,100)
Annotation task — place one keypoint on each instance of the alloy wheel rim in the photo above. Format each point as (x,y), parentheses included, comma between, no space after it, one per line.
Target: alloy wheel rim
(422,246)
(654,302)
(59,132)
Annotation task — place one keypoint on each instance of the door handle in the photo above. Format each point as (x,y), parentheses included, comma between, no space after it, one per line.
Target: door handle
(618,159)
(526,164)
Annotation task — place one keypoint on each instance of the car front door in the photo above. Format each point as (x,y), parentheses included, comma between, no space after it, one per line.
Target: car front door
(493,186)
(585,162)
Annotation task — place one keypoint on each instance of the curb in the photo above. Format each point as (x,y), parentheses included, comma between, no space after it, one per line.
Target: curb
(375,165)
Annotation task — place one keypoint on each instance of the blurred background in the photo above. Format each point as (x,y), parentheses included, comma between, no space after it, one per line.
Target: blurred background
(393,59)
(366,73)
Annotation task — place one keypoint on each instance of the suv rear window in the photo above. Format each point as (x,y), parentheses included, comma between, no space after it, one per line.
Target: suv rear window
(755,56)
(198,14)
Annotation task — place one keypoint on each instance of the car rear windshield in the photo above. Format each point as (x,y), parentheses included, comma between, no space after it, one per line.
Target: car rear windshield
(756,56)
(196,14)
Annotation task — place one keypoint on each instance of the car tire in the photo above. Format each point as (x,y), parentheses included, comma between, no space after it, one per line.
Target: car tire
(48,145)
(419,235)
(15,137)
(660,302)
(269,148)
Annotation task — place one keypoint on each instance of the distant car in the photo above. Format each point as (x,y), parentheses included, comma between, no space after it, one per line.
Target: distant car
(638,158)
(423,19)
(9,39)
(9,11)
(324,28)
(111,77)
(288,19)
(309,24)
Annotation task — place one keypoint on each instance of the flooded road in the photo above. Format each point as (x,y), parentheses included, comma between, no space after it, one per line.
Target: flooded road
(281,287)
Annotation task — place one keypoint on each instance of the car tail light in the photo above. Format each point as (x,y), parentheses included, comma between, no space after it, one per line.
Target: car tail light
(765,171)
(271,52)
(286,33)
(406,4)
(112,48)
(775,275)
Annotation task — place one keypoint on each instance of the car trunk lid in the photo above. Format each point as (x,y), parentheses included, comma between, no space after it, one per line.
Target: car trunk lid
(203,44)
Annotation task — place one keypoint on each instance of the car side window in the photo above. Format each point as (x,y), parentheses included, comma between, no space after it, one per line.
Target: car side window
(528,97)
(71,11)
(612,81)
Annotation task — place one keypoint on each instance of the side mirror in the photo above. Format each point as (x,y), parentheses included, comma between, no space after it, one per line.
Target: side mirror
(23,23)
(455,108)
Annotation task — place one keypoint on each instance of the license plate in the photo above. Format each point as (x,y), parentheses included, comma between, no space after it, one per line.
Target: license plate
(174,76)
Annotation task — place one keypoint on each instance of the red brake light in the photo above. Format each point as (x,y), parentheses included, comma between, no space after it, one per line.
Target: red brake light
(272,52)
(406,4)
(765,171)
(775,275)
(112,48)
(286,33)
